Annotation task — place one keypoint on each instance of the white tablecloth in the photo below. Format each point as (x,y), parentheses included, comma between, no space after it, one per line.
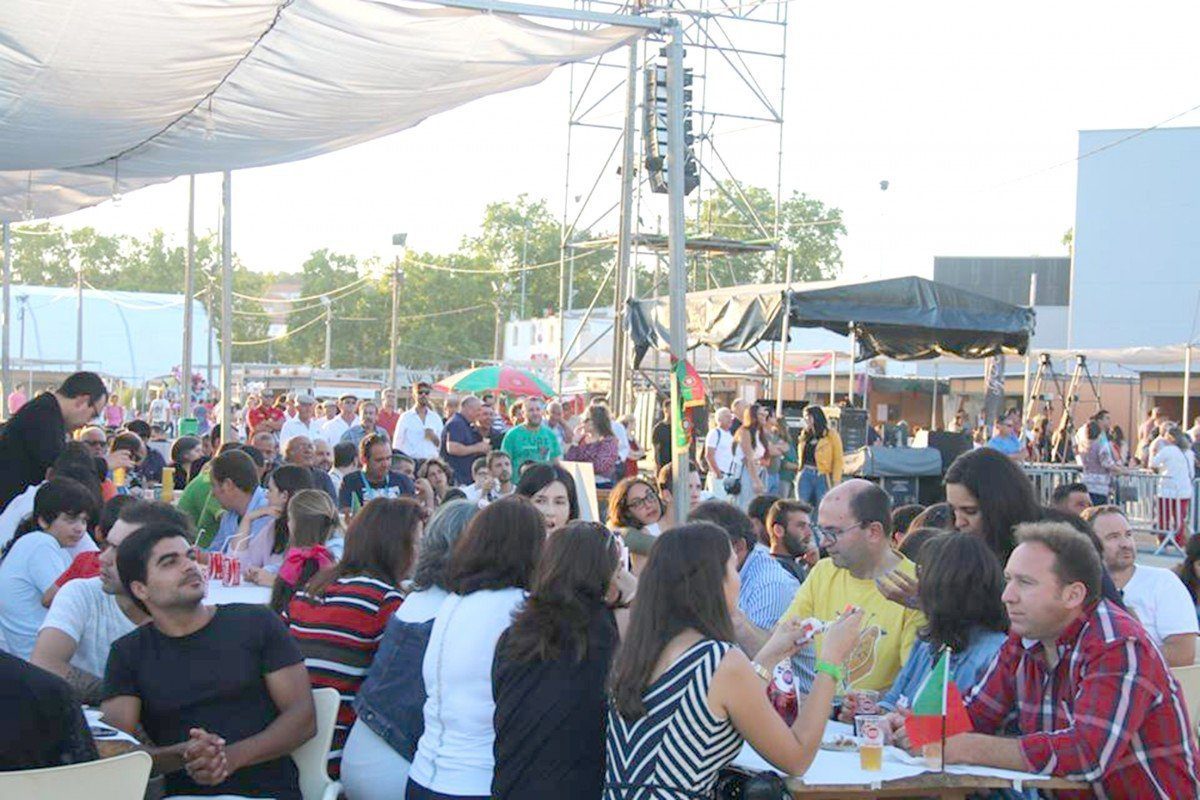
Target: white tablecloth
(219,595)
(831,768)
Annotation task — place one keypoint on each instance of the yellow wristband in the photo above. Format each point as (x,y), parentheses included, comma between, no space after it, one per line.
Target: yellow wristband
(761,671)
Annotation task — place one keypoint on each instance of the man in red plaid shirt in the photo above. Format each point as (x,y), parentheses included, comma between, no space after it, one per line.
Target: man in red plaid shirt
(1079,681)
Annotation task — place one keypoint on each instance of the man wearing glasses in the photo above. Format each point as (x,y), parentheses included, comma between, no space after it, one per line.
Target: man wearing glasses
(35,435)
(95,439)
(419,431)
(854,526)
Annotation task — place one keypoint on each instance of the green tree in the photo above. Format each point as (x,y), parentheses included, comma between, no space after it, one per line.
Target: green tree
(809,231)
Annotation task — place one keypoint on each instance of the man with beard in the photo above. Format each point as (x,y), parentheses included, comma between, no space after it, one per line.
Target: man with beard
(419,430)
(89,614)
(791,537)
(531,441)
(501,467)
(195,670)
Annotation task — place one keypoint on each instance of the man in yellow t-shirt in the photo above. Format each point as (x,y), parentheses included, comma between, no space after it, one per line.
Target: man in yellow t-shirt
(854,524)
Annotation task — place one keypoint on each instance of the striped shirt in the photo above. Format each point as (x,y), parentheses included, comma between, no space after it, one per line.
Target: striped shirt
(767,588)
(1109,712)
(339,633)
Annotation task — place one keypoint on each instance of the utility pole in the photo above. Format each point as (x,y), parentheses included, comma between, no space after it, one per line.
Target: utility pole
(189,266)
(524,258)
(497,340)
(328,332)
(677,264)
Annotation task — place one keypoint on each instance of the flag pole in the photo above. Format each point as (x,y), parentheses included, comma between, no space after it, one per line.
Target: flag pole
(945,710)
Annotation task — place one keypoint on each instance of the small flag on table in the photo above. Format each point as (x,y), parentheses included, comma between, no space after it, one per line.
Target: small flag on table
(937,709)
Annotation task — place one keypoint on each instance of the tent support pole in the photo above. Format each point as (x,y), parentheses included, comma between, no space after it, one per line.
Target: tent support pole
(677,276)
(227,432)
(933,413)
(1187,385)
(853,349)
(621,282)
(5,364)
(785,328)
(1025,401)
(189,267)
(832,377)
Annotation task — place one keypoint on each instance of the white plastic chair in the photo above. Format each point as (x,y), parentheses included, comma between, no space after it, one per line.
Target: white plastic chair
(312,757)
(122,777)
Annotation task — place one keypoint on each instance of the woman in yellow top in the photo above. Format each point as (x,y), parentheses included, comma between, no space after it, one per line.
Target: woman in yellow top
(820,454)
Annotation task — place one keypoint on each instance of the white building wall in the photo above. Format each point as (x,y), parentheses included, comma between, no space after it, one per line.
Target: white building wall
(1137,239)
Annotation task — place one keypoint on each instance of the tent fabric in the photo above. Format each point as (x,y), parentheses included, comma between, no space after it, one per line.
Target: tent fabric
(907,318)
(98,99)
(1171,354)
(129,335)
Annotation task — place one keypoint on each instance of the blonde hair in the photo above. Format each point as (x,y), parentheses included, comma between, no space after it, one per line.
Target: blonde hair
(312,518)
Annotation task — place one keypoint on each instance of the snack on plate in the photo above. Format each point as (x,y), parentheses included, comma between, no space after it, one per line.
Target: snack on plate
(840,743)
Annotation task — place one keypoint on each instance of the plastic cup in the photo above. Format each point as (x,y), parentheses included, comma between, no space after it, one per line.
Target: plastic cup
(932,755)
(168,484)
(119,477)
(869,728)
(864,701)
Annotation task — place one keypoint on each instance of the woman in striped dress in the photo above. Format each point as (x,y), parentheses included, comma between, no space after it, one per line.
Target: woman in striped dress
(339,616)
(684,697)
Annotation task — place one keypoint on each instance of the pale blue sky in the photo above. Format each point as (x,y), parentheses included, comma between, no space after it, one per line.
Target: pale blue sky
(954,103)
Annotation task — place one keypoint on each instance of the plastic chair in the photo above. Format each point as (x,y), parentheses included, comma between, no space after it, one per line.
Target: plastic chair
(122,777)
(1189,681)
(312,757)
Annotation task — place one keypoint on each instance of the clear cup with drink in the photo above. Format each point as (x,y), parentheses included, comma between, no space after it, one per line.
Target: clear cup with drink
(870,731)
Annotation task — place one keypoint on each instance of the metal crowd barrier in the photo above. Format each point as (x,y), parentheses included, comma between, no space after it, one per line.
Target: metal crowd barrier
(1136,493)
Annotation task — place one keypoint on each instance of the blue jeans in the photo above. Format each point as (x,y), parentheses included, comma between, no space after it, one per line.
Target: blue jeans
(811,487)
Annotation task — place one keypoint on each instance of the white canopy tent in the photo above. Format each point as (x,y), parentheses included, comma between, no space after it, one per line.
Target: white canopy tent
(98,99)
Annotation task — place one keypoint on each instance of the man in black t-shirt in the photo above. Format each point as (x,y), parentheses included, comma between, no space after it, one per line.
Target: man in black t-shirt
(35,435)
(660,436)
(375,479)
(221,691)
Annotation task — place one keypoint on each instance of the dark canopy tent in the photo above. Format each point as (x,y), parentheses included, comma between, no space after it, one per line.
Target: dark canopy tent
(907,319)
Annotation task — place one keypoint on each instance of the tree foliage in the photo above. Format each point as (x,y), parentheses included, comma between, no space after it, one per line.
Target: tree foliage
(449,304)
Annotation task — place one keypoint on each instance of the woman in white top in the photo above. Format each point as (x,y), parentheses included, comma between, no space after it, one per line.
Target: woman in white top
(379,749)
(490,569)
(750,448)
(1176,463)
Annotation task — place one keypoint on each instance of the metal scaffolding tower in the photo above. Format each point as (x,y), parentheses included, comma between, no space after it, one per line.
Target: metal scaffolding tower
(737,52)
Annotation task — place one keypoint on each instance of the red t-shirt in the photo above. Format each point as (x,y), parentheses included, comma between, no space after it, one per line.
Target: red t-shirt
(85,565)
(387,420)
(257,416)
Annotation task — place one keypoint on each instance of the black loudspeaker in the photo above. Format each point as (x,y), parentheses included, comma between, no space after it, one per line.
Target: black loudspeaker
(852,427)
(950,445)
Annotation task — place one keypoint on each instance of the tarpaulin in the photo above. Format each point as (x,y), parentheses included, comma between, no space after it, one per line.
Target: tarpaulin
(98,98)
(907,319)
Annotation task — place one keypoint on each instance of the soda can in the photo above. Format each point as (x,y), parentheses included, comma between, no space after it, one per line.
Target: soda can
(233,572)
(781,691)
(216,567)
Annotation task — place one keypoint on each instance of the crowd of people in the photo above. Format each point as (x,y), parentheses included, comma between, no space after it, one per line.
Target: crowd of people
(486,641)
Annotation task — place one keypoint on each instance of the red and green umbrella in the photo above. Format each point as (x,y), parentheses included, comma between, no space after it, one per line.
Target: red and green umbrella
(496,378)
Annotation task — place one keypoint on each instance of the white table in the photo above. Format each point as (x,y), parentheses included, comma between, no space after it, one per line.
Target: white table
(219,595)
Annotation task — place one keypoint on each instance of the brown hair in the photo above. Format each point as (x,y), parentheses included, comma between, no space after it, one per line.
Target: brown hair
(1075,556)
(569,584)
(619,515)
(498,549)
(381,543)
(1089,514)
(680,588)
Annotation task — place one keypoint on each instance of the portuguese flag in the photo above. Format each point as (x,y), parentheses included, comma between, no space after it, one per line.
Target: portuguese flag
(937,710)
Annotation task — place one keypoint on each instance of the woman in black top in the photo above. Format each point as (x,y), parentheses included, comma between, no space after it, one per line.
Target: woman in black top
(549,674)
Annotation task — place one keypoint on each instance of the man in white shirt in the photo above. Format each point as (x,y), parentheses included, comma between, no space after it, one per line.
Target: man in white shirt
(304,423)
(333,430)
(1154,594)
(89,614)
(160,411)
(419,431)
(718,452)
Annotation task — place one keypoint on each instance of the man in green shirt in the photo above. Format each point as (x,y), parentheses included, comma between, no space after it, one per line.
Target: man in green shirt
(532,441)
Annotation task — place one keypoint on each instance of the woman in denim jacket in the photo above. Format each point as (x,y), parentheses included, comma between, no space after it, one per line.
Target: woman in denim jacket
(961,584)
(381,745)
